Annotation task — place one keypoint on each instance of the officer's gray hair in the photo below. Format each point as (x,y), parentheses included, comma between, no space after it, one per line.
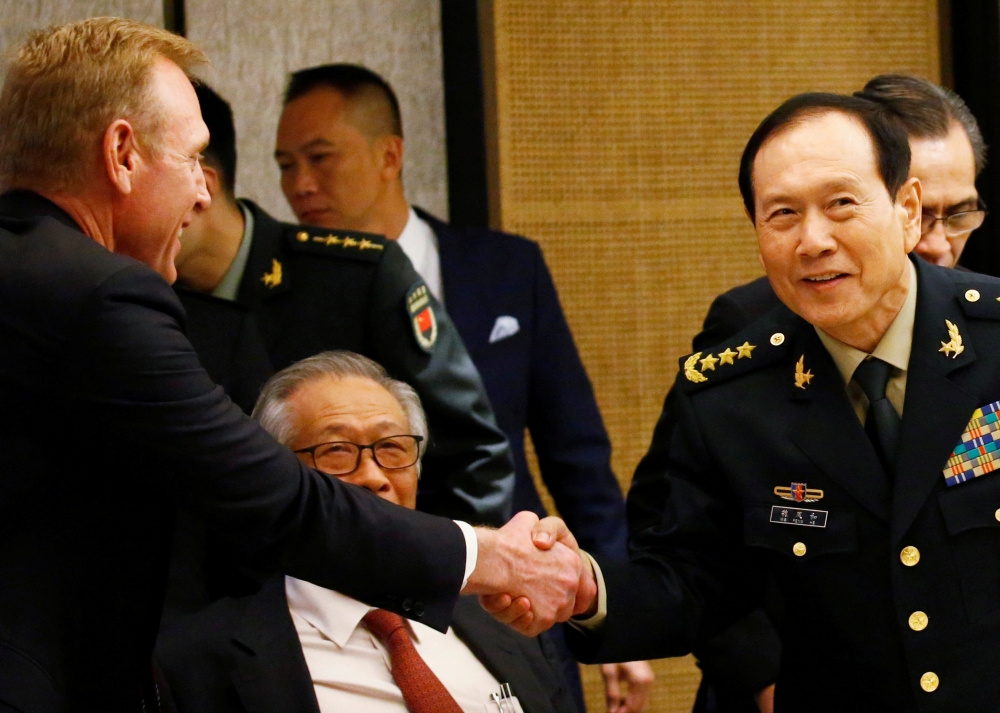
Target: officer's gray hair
(271,409)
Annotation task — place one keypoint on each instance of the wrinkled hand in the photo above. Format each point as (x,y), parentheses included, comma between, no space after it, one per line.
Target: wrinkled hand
(639,677)
(765,699)
(526,579)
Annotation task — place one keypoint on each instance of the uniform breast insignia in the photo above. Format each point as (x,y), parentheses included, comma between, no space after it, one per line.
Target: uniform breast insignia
(799,492)
(273,278)
(953,347)
(794,516)
(692,374)
(745,350)
(977,453)
(421,314)
(802,377)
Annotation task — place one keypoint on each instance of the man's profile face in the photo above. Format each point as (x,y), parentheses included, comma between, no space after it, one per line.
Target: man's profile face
(360,411)
(330,174)
(946,168)
(168,183)
(832,242)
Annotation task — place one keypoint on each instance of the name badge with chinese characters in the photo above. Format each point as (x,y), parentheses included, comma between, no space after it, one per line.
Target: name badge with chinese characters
(782,515)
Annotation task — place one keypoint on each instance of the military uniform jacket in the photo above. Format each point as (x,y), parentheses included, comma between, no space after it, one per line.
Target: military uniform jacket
(894,604)
(313,290)
(107,419)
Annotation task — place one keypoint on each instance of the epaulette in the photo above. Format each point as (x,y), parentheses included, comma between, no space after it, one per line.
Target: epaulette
(761,343)
(980,298)
(335,243)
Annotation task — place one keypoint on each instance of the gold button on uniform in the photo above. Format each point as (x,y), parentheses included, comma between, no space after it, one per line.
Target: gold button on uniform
(929,682)
(302,236)
(909,556)
(972,295)
(918,621)
(799,548)
(997,515)
(777,339)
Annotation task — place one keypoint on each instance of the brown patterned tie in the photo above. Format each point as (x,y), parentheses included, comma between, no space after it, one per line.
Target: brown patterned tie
(422,690)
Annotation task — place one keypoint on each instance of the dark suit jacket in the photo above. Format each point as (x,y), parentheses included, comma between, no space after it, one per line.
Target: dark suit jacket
(243,656)
(331,296)
(535,378)
(108,418)
(747,429)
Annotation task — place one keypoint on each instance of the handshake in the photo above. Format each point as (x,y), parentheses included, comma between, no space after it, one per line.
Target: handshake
(531,574)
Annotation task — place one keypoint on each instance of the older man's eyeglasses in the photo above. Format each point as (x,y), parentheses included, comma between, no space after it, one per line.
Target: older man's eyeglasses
(344,457)
(956,224)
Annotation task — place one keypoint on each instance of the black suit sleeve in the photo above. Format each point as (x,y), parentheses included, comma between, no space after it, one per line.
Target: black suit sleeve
(468,471)
(134,374)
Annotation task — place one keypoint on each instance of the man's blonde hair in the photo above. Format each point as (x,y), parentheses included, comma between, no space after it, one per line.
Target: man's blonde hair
(65,85)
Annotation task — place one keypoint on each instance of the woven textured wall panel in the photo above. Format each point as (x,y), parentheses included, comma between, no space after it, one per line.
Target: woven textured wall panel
(620,125)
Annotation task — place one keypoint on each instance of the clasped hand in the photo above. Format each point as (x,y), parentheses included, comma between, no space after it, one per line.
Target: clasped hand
(530,574)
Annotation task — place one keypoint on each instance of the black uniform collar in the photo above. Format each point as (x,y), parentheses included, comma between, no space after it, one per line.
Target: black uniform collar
(27,205)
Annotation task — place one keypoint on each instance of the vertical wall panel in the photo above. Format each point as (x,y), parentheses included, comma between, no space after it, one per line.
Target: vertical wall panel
(254,44)
(18,17)
(620,125)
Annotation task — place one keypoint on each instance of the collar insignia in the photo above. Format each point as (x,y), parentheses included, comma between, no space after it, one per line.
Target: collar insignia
(953,347)
(802,377)
(273,278)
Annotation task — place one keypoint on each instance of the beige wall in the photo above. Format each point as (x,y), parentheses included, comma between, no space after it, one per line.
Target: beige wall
(18,17)
(253,44)
(619,126)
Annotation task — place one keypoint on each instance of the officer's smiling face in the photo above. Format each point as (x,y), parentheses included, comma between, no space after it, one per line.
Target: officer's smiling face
(832,241)
(332,174)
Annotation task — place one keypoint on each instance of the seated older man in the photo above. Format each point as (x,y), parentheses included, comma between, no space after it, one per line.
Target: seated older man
(294,646)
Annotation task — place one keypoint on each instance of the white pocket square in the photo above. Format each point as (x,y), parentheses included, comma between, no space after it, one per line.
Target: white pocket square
(505,326)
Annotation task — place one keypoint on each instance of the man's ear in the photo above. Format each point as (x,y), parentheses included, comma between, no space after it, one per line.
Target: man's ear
(212,181)
(120,152)
(390,149)
(909,203)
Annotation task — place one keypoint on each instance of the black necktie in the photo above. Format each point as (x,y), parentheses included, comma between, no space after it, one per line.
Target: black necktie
(882,423)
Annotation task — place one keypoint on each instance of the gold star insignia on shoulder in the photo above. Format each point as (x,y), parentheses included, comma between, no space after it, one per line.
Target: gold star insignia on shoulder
(802,376)
(745,349)
(726,357)
(708,363)
(328,240)
(367,244)
(350,242)
(690,372)
(273,278)
(954,346)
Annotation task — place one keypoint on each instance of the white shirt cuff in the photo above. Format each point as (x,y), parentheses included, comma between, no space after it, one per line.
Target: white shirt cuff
(471,549)
(594,622)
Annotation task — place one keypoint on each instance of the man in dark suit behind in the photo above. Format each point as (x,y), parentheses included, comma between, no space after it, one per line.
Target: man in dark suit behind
(109,418)
(297,647)
(340,150)
(947,153)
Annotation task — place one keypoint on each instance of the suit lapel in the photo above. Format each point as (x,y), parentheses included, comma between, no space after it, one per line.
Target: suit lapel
(830,433)
(504,653)
(936,409)
(271,673)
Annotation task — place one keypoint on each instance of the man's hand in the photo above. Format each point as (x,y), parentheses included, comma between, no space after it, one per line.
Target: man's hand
(639,677)
(529,581)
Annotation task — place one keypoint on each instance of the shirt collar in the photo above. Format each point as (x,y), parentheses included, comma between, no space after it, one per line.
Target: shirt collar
(229,287)
(894,346)
(416,239)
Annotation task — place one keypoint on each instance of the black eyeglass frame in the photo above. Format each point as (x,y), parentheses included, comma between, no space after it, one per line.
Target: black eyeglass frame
(980,208)
(311,450)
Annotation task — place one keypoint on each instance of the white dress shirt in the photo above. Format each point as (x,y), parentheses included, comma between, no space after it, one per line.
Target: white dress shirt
(420,244)
(350,668)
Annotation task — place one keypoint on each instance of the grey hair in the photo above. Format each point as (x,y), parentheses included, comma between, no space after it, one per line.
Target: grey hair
(271,409)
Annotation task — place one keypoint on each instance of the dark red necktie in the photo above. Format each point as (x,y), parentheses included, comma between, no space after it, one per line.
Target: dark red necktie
(422,690)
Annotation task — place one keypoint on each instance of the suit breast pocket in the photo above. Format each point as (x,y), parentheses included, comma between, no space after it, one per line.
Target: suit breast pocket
(795,533)
(972,516)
